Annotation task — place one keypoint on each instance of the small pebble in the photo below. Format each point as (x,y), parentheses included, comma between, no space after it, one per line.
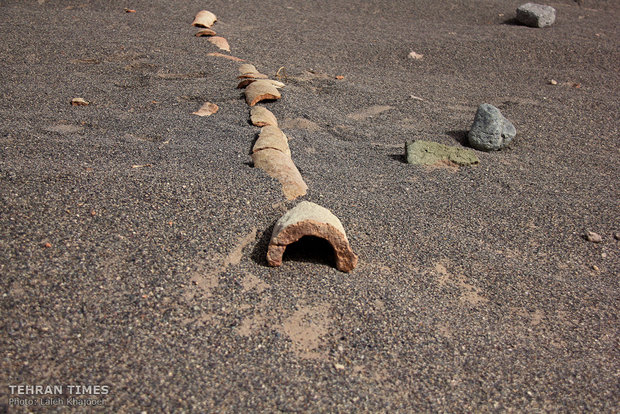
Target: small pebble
(617,235)
(595,267)
(339,366)
(593,237)
(553,82)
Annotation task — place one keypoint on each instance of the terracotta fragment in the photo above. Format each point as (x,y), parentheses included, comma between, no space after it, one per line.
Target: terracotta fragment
(249,71)
(204,18)
(310,219)
(261,116)
(260,90)
(220,42)
(281,167)
(206,109)
(79,102)
(205,32)
(245,82)
(236,59)
(247,68)
(272,137)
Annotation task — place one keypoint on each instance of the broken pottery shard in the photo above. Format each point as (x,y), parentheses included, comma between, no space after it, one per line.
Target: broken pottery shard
(247,68)
(204,18)
(260,90)
(79,102)
(272,137)
(206,109)
(432,153)
(205,32)
(261,116)
(535,15)
(309,219)
(281,167)
(255,75)
(245,82)
(236,59)
(249,71)
(220,42)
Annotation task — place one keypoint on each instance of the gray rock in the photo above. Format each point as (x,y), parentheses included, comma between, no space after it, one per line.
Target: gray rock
(535,15)
(490,130)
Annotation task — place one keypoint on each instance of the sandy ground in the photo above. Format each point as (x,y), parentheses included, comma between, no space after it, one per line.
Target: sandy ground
(133,234)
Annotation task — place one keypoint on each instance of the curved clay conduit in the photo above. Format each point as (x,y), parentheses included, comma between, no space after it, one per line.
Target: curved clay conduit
(272,154)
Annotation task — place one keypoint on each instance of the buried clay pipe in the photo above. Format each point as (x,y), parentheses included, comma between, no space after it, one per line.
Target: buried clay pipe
(272,137)
(261,116)
(260,90)
(309,219)
(281,167)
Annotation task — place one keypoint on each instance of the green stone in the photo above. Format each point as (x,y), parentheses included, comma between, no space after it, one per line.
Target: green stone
(429,153)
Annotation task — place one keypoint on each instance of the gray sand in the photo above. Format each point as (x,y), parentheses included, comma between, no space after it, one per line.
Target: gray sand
(475,288)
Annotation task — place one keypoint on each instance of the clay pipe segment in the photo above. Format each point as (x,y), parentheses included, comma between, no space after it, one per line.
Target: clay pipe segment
(310,219)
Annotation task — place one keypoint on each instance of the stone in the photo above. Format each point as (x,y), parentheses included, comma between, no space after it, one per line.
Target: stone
(490,130)
(310,219)
(281,167)
(536,15)
(260,90)
(594,237)
(431,153)
(272,137)
(261,116)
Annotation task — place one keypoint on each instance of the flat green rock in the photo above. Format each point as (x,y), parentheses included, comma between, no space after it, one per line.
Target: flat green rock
(429,153)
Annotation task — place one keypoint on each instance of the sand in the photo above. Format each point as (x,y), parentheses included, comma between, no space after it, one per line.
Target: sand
(134,234)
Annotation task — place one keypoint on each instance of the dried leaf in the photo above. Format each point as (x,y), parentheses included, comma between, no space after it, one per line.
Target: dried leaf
(205,32)
(79,102)
(129,11)
(416,56)
(260,90)
(140,165)
(340,77)
(236,59)
(220,42)
(206,109)
(204,18)
(261,116)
